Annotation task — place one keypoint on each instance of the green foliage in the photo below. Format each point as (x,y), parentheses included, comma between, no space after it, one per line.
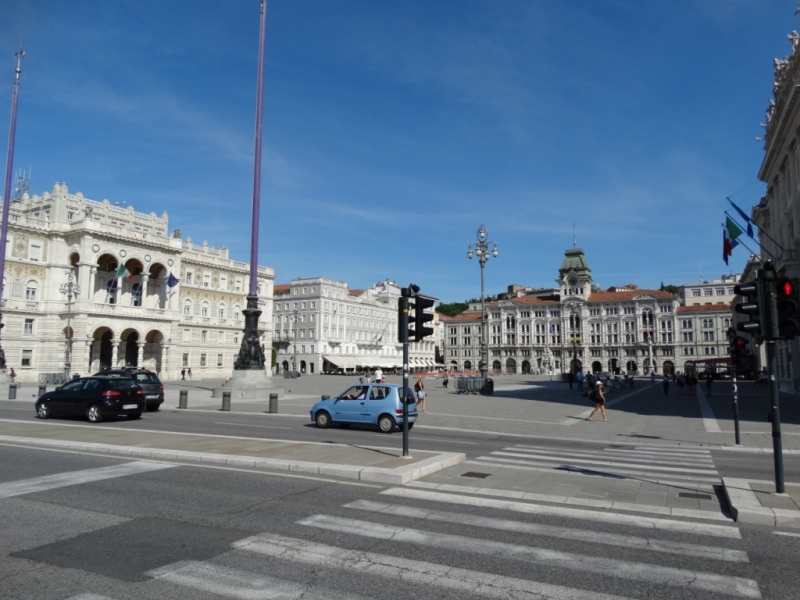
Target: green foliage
(672,289)
(452,309)
(274,357)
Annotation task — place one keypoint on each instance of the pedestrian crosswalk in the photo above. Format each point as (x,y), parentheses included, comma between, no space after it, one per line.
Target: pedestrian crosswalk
(427,543)
(646,462)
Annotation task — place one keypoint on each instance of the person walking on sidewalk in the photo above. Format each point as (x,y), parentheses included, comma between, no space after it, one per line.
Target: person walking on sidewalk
(579,379)
(183,374)
(445,380)
(571,378)
(599,399)
(652,377)
(665,383)
(189,373)
(709,381)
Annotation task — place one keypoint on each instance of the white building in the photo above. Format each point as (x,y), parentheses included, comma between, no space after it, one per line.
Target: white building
(620,330)
(137,320)
(322,326)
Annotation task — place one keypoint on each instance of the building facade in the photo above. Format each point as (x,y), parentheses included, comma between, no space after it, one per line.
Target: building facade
(176,306)
(322,326)
(575,326)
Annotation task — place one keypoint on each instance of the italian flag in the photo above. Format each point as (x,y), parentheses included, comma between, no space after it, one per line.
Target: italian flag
(123,272)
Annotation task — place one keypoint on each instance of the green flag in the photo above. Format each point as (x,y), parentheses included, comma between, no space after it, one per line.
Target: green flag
(734,231)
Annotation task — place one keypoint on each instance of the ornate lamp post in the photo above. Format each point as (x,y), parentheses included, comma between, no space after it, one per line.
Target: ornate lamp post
(573,305)
(482,248)
(71,290)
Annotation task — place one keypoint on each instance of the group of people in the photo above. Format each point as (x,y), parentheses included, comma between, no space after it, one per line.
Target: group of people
(686,382)
(376,376)
(185,372)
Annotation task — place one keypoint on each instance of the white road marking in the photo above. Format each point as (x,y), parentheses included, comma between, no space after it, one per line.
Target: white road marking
(609,403)
(89,597)
(622,459)
(236,583)
(615,471)
(709,420)
(657,450)
(632,571)
(604,463)
(433,439)
(50,482)
(565,533)
(391,568)
(472,418)
(248,425)
(787,533)
(652,523)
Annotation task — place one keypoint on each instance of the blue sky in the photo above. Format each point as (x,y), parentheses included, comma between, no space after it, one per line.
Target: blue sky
(393,130)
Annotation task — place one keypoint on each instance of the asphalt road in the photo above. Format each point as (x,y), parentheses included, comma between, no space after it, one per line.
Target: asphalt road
(87,527)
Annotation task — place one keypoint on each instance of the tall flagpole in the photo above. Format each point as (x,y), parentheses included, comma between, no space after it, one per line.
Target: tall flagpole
(251,355)
(12,130)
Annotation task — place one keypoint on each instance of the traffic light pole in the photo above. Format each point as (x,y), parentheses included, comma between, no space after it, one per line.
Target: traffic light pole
(735,401)
(767,276)
(404,294)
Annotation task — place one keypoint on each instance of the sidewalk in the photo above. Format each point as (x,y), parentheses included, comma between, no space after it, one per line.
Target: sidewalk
(364,463)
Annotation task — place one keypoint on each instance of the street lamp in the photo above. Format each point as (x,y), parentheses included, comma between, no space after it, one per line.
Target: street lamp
(482,248)
(574,307)
(71,290)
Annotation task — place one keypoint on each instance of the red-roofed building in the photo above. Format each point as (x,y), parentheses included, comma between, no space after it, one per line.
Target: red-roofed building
(624,329)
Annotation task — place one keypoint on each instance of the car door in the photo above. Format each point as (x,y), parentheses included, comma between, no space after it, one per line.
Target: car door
(350,407)
(69,397)
(380,401)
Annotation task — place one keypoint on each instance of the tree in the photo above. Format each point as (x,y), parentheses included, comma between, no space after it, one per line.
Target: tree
(452,309)
(672,289)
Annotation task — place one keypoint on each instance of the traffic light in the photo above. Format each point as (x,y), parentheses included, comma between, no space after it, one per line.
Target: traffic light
(751,307)
(786,308)
(421,317)
(738,345)
(405,305)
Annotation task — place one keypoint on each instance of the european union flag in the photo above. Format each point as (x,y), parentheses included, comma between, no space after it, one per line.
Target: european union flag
(172,281)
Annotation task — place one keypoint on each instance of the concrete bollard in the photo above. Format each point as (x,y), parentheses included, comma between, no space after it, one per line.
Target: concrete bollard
(12,391)
(183,400)
(226,400)
(273,403)
(42,390)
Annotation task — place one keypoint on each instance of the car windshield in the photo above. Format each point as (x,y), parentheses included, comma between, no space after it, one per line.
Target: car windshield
(145,378)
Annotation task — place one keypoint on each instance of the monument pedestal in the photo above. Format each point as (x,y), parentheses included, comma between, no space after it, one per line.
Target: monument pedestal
(248,384)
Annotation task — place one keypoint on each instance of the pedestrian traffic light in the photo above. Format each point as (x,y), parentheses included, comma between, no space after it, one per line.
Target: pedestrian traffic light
(421,317)
(738,345)
(786,308)
(751,307)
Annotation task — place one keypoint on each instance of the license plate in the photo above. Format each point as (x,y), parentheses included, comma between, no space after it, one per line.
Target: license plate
(151,397)
(130,406)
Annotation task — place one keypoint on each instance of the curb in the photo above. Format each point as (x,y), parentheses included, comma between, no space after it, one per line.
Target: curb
(746,507)
(395,476)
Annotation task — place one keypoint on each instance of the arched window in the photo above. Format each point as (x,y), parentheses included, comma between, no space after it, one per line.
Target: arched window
(236,312)
(32,290)
(221,311)
(136,294)
(187,307)
(204,309)
(111,290)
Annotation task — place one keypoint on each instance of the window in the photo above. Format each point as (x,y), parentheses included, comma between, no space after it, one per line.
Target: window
(28,328)
(35,252)
(235,338)
(187,335)
(204,336)
(695,293)
(31,290)
(237,286)
(206,280)
(189,277)
(708,322)
(221,311)
(708,336)
(235,313)
(219,360)
(187,308)
(686,323)
(185,360)
(27,358)
(708,292)
(720,292)
(202,360)
(223,282)
(204,310)
(612,310)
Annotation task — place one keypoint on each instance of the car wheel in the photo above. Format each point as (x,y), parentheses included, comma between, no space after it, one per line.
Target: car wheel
(136,415)
(42,410)
(152,408)
(323,420)
(410,426)
(386,423)
(94,414)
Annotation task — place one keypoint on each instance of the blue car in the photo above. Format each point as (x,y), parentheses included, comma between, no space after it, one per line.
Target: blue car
(377,403)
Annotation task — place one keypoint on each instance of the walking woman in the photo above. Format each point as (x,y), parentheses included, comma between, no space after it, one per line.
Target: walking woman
(599,402)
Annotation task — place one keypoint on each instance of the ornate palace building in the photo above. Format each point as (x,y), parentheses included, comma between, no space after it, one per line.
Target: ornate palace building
(145,298)
(620,330)
(322,326)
